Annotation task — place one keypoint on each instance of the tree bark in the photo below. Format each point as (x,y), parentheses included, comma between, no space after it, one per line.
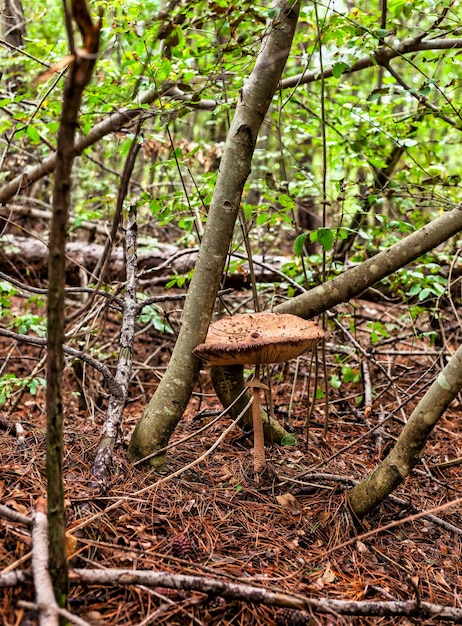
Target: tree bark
(169,402)
(13,22)
(48,609)
(79,75)
(409,448)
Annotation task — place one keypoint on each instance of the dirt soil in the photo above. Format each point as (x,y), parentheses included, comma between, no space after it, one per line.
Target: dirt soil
(285,533)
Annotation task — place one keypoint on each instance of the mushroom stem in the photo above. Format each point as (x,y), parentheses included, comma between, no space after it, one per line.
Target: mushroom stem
(259,460)
(228,381)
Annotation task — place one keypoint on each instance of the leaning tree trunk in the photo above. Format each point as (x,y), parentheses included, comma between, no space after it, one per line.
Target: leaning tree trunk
(165,409)
(409,448)
(359,278)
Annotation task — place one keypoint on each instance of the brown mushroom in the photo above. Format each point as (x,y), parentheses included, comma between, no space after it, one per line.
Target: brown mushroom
(255,339)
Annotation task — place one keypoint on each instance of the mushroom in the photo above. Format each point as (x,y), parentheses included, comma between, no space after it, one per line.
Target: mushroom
(256,339)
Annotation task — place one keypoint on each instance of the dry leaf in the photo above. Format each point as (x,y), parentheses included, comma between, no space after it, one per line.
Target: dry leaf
(288,501)
(71,544)
(226,473)
(361,547)
(441,580)
(57,67)
(326,578)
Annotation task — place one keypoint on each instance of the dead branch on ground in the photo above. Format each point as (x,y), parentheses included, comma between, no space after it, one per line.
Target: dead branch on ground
(260,595)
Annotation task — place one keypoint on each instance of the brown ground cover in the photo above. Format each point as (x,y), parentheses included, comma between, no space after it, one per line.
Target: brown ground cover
(212,520)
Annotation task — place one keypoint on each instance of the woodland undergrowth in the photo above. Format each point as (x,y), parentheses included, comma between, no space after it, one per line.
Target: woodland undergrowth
(285,534)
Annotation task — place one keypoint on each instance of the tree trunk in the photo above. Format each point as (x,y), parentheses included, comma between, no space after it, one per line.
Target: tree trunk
(409,448)
(169,402)
(13,23)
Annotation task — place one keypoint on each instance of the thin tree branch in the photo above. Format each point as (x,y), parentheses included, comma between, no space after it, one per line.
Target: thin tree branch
(109,379)
(116,406)
(380,57)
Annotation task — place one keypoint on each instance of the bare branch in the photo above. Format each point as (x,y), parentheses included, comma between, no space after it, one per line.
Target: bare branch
(79,354)
(380,57)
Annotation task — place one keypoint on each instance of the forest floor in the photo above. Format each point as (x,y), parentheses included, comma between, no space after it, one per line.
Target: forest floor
(286,533)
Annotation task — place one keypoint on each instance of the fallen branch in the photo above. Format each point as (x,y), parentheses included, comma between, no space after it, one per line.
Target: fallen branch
(249,593)
(157,264)
(13,516)
(13,579)
(259,595)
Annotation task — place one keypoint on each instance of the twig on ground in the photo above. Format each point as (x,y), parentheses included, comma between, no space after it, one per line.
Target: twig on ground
(73,619)
(367,389)
(13,579)
(394,524)
(351,482)
(379,432)
(13,516)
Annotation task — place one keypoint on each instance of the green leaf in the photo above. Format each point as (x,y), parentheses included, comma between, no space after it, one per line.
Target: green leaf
(339,68)
(335,381)
(262,218)
(32,133)
(326,238)
(424,294)
(299,243)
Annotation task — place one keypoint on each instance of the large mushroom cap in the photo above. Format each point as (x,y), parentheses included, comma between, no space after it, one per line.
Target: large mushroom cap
(255,338)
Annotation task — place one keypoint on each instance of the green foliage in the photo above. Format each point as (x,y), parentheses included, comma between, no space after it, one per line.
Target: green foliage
(28,321)
(289,440)
(346,374)
(6,292)
(9,384)
(422,283)
(153,314)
